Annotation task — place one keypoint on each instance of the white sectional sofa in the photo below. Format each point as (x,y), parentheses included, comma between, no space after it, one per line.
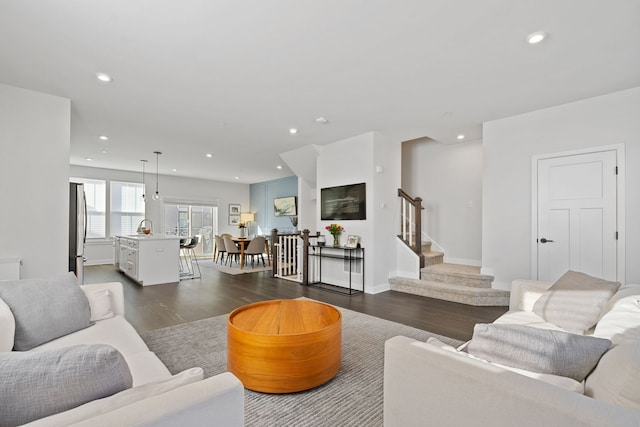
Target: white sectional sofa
(429,383)
(156,397)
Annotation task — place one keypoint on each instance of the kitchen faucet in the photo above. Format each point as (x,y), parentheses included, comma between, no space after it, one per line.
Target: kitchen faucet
(142,229)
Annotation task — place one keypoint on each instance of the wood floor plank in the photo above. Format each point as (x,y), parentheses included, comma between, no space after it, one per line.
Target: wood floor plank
(216,293)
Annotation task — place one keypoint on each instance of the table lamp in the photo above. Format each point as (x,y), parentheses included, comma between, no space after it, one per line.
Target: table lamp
(247,217)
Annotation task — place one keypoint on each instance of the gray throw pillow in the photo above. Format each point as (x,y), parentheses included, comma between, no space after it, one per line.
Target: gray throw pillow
(538,350)
(575,301)
(37,384)
(45,309)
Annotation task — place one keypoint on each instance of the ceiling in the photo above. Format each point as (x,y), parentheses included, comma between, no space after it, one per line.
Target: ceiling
(231,78)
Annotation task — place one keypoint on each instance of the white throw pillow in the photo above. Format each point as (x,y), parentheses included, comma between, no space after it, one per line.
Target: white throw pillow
(7,327)
(119,400)
(621,320)
(100,303)
(615,379)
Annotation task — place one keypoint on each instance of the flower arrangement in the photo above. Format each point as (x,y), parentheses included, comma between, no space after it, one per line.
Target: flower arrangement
(335,230)
(241,225)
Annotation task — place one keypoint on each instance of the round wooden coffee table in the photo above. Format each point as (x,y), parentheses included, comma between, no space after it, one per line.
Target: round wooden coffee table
(284,346)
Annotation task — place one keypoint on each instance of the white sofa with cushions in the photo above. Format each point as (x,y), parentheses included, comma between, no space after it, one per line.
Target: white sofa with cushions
(105,358)
(517,370)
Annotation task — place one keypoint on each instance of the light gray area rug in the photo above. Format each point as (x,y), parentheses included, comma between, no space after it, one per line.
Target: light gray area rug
(351,398)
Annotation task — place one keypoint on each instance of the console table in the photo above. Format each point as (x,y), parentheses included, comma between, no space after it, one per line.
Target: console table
(351,255)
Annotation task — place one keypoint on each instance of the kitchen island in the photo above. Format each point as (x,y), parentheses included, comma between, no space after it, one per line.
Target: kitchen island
(149,259)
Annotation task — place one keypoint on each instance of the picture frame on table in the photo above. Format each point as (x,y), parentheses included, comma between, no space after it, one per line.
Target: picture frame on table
(353,241)
(234,219)
(234,208)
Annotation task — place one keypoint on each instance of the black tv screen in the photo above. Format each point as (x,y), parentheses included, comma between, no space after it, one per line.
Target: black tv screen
(343,202)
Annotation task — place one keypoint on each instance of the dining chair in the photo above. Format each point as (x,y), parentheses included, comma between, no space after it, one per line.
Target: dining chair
(221,249)
(232,249)
(255,247)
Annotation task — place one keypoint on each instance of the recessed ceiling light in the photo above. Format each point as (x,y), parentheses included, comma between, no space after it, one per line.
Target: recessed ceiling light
(461,136)
(293,131)
(322,120)
(103,137)
(174,170)
(237,177)
(536,37)
(88,159)
(104,151)
(209,155)
(104,78)
(278,167)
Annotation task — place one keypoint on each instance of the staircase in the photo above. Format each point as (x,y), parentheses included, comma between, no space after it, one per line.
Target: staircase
(451,282)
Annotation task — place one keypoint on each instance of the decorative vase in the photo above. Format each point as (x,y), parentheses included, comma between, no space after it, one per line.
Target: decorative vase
(336,240)
(243,232)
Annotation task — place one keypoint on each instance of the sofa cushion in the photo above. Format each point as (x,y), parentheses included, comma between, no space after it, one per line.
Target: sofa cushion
(538,350)
(616,378)
(45,309)
(525,318)
(121,399)
(37,384)
(568,384)
(575,301)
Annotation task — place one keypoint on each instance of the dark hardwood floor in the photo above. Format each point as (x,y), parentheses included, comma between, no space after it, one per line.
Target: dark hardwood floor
(216,293)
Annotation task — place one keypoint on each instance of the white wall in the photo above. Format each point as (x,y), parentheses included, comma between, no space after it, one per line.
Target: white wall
(34,177)
(449,180)
(353,161)
(172,188)
(509,145)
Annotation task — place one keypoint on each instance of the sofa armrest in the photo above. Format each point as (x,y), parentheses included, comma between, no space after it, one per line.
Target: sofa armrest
(218,400)
(426,385)
(524,293)
(117,295)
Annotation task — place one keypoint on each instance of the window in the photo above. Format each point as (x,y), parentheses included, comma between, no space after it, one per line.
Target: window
(120,216)
(126,208)
(95,193)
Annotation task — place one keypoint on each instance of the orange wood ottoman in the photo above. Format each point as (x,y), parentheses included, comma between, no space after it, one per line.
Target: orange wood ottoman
(284,346)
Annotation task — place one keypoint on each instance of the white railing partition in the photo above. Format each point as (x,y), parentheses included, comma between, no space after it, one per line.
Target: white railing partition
(288,262)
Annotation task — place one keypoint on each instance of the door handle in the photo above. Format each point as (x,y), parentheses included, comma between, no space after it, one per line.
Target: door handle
(544,240)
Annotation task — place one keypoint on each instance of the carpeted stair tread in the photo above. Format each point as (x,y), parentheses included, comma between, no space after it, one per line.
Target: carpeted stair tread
(451,292)
(459,274)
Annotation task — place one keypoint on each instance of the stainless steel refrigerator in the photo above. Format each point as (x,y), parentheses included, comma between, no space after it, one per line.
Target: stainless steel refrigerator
(77,229)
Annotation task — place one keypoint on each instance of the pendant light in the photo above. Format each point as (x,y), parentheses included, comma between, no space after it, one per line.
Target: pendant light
(156,196)
(144,188)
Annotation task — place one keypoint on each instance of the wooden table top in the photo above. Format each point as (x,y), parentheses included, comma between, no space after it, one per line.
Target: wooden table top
(284,317)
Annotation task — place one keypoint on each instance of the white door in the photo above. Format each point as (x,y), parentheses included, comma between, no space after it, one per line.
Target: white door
(577,215)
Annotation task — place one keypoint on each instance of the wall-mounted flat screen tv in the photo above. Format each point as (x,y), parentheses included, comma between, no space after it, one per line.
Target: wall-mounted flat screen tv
(285,206)
(343,202)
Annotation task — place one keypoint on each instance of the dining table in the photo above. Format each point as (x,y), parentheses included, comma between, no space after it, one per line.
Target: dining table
(243,242)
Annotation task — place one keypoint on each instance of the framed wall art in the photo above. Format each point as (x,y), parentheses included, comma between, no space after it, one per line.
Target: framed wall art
(234,209)
(234,219)
(285,206)
(343,202)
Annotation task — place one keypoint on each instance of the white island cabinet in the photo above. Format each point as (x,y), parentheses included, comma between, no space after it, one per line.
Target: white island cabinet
(149,259)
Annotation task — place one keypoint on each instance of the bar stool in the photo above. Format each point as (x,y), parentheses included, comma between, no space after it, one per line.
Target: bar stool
(191,253)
